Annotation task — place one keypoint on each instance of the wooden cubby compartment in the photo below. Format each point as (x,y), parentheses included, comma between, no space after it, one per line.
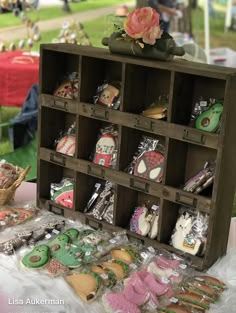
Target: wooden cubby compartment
(185,149)
(52,173)
(188,89)
(58,66)
(95,72)
(130,141)
(191,159)
(87,143)
(129,199)
(61,122)
(139,93)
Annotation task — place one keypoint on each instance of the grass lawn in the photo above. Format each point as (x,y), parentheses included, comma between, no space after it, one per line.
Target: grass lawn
(6,114)
(47,13)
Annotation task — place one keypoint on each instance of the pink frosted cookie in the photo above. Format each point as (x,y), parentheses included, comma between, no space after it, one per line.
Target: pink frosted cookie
(116,302)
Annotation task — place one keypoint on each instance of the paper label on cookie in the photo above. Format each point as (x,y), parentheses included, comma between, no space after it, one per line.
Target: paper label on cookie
(100,248)
(152,305)
(173,300)
(144,255)
(199,278)
(174,273)
(189,242)
(55,231)
(203,103)
(154,207)
(133,266)
(165,280)
(104,276)
(151,249)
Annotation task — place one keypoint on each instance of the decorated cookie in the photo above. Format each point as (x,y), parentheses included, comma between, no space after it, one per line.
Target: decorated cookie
(58,243)
(108,95)
(150,166)
(193,300)
(203,289)
(67,90)
(211,281)
(119,268)
(108,277)
(66,145)
(11,245)
(125,254)
(86,285)
(69,255)
(37,258)
(55,268)
(44,230)
(73,233)
(15,216)
(182,237)
(174,308)
(105,149)
(63,192)
(117,302)
(140,222)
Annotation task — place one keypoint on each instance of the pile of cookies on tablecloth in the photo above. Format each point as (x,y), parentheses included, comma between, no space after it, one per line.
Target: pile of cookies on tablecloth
(105,266)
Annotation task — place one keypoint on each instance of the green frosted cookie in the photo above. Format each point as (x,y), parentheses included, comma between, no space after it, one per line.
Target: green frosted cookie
(58,243)
(70,256)
(72,233)
(37,258)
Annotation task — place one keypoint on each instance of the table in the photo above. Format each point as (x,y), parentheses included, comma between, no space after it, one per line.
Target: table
(19,70)
(19,285)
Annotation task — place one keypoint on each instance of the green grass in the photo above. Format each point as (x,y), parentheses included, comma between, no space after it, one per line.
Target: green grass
(6,114)
(103,26)
(218,38)
(47,13)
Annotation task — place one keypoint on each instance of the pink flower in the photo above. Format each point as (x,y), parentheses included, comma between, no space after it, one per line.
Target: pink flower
(143,24)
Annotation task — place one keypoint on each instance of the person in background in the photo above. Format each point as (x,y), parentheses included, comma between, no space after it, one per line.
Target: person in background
(166,9)
(66,7)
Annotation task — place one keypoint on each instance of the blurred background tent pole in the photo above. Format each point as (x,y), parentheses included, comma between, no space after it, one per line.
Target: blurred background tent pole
(207,29)
(228,16)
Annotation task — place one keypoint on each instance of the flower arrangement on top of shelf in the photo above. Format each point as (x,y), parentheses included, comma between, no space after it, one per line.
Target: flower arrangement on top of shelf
(141,35)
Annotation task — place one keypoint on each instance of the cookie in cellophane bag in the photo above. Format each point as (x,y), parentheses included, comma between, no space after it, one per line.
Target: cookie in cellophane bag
(108,95)
(63,192)
(190,232)
(148,162)
(68,87)
(101,203)
(65,143)
(106,147)
(206,114)
(201,180)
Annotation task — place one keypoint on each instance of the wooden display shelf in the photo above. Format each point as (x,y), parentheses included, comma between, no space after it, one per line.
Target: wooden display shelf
(185,148)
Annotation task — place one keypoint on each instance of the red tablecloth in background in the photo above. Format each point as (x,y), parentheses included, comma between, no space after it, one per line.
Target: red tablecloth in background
(18,72)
